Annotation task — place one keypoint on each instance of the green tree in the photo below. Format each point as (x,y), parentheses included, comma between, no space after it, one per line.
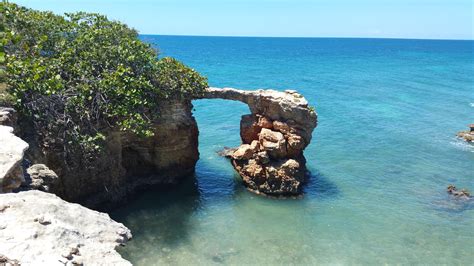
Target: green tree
(79,75)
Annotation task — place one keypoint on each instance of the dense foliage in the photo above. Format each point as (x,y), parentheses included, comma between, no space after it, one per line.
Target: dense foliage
(78,75)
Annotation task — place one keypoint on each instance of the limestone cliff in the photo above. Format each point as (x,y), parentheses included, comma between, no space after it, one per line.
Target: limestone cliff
(127,162)
(270,159)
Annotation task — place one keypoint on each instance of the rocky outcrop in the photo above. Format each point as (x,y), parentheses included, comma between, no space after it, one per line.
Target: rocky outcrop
(460,194)
(38,228)
(270,159)
(128,162)
(12,150)
(467,135)
(40,177)
(8,117)
(274,136)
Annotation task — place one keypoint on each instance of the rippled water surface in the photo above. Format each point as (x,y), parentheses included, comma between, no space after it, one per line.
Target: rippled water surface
(381,158)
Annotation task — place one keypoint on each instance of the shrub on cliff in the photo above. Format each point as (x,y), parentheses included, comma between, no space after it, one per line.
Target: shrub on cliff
(79,74)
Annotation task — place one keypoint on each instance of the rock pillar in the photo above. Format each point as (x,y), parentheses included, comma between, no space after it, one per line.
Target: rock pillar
(270,159)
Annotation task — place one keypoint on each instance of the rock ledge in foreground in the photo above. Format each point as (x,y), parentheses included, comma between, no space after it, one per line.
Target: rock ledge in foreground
(41,229)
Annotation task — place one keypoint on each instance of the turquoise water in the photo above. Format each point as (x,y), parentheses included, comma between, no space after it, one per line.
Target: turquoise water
(381,158)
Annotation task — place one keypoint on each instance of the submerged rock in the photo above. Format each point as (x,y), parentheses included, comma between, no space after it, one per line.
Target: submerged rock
(226,152)
(39,228)
(12,150)
(462,194)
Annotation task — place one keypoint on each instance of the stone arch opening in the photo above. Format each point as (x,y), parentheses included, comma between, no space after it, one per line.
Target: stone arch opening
(273,136)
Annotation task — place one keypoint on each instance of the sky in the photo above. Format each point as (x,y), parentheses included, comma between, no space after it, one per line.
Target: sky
(412,19)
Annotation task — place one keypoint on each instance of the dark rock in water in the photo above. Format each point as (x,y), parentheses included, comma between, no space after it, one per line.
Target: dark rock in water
(217,259)
(226,152)
(467,135)
(462,194)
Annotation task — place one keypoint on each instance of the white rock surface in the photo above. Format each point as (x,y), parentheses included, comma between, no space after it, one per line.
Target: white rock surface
(39,228)
(12,150)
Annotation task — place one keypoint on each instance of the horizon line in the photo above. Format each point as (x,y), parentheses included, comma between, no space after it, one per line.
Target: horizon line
(304,37)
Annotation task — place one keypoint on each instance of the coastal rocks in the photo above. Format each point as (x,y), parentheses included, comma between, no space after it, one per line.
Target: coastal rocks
(274,136)
(273,142)
(467,135)
(40,177)
(38,228)
(12,150)
(127,162)
(250,126)
(170,154)
(460,194)
(245,151)
(4,260)
(8,117)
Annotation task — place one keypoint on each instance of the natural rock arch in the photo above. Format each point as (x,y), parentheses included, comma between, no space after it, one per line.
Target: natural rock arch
(270,159)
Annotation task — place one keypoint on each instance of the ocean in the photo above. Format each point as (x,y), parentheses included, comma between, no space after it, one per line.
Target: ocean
(380,160)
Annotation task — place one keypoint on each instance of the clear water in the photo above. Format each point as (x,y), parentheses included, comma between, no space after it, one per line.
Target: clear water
(381,158)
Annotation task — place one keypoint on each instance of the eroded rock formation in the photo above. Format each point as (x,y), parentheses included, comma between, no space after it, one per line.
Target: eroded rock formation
(8,117)
(467,135)
(270,159)
(128,162)
(38,228)
(460,194)
(40,177)
(12,150)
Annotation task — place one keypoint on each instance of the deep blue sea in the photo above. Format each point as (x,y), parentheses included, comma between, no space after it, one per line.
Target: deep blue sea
(381,158)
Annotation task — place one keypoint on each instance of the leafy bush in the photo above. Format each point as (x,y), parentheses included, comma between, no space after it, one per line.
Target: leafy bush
(80,74)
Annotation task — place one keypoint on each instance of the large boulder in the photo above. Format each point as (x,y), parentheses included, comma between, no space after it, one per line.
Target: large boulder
(38,228)
(251,125)
(273,142)
(12,150)
(40,177)
(282,177)
(245,151)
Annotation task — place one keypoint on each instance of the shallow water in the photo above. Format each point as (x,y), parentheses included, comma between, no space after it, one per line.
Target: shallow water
(381,158)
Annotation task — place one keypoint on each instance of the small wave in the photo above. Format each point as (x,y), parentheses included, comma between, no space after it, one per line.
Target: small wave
(471,104)
(462,145)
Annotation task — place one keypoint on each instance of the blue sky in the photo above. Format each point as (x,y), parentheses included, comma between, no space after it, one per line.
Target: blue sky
(421,19)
